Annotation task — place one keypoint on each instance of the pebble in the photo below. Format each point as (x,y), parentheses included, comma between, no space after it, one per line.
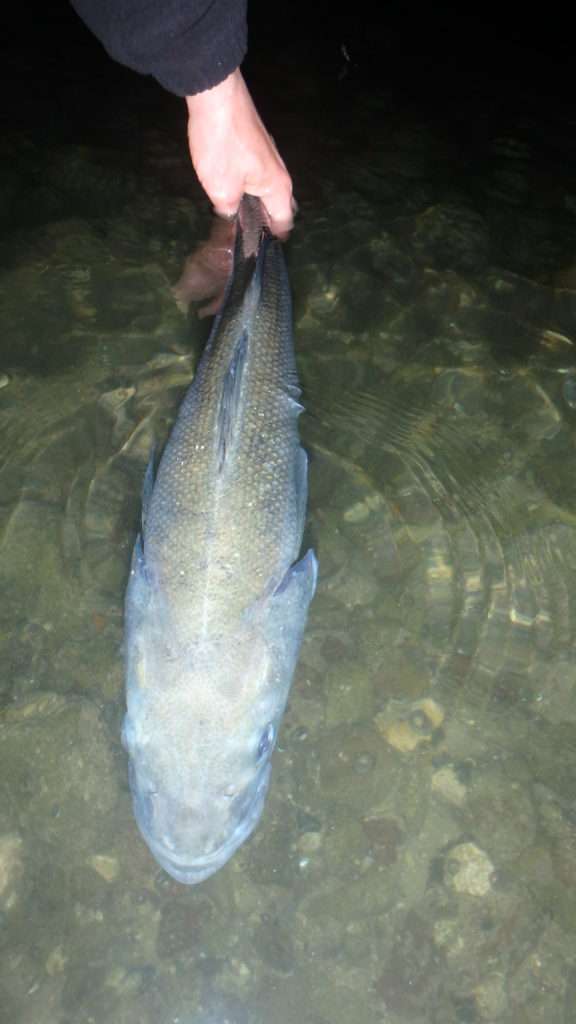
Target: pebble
(469,870)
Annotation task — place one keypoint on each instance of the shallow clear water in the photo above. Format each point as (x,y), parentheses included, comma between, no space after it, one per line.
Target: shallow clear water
(417,857)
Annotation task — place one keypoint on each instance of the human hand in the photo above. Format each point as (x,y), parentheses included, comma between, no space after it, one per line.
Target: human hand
(232,153)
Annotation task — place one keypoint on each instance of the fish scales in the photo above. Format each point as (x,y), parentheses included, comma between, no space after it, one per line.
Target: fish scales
(216,603)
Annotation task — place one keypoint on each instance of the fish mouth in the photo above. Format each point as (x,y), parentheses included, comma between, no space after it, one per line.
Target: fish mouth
(192,871)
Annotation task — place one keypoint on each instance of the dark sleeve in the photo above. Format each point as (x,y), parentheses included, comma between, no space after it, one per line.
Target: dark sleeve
(188,45)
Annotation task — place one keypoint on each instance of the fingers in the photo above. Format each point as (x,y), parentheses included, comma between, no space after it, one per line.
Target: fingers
(281,208)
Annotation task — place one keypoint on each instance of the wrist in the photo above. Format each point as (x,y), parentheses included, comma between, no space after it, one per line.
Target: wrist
(211,102)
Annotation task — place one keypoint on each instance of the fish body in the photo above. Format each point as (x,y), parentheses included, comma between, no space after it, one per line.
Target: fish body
(217,599)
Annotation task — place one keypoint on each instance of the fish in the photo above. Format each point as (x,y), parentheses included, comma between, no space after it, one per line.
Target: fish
(218,591)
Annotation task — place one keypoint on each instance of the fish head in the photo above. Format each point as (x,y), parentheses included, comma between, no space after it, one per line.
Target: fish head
(200,749)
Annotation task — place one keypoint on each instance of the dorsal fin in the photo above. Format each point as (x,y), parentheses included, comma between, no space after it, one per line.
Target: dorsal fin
(229,408)
(148,484)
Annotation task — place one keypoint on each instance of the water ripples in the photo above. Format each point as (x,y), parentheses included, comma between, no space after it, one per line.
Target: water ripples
(445,476)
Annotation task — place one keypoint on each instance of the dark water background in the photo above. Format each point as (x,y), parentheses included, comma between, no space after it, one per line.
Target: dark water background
(417,858)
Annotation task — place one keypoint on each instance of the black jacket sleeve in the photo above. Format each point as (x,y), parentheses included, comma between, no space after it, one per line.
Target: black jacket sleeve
(188,45)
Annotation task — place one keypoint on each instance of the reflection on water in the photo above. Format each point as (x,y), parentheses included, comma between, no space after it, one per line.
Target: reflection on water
(417,858)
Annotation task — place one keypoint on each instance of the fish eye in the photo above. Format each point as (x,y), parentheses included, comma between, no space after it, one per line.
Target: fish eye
(266,742)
